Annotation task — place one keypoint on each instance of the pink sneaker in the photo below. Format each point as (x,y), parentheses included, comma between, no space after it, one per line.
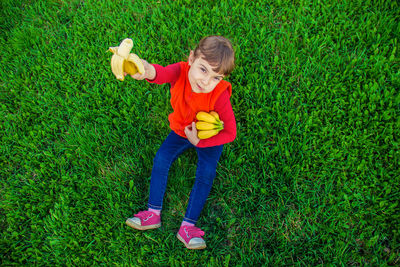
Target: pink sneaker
(191,236)
(144,220)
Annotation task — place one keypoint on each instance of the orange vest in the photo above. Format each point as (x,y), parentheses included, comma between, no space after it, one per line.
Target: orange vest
(187,103)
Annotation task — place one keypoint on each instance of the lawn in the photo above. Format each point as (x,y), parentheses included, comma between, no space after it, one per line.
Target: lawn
(313,177)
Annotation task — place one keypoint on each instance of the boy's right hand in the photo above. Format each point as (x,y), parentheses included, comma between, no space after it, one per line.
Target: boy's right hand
(149,72)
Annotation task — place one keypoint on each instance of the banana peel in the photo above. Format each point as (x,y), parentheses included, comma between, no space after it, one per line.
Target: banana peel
(124,61)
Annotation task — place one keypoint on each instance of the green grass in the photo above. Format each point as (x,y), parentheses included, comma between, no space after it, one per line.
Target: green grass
(312,178)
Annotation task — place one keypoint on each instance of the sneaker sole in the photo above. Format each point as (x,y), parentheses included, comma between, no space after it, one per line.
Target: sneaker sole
(140,227)
(200,246)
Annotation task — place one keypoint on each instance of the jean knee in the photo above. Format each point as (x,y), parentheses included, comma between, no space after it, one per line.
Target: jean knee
(161,159)
(206,175)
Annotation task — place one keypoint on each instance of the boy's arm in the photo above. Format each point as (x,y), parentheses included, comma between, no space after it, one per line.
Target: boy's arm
(158,74)
(224,109)
(168,74)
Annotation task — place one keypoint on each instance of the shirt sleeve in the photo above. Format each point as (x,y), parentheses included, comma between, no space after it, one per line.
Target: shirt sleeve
(224,109)
(168,74)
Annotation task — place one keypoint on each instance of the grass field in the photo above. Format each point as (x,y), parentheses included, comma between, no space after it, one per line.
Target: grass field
(313,177)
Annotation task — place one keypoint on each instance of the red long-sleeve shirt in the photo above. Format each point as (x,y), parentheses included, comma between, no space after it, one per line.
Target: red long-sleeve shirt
(223,107)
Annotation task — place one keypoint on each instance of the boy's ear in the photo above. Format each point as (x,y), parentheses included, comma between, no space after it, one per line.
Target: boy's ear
(191,57)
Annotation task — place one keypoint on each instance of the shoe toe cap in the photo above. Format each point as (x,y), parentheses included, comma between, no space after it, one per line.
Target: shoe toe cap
(135,220)
(196,241)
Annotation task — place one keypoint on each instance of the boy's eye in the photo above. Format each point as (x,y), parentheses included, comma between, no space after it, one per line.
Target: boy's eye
(203,70)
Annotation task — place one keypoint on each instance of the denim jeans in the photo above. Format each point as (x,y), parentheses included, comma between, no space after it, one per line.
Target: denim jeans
(207,162)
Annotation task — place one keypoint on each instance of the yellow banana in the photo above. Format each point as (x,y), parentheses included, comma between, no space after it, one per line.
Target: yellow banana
(203,125)
(207,133)
(215,114)
(123,61)
(204,116)
(208,124)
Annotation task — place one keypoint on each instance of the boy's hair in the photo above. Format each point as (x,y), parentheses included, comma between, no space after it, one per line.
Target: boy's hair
(218,52)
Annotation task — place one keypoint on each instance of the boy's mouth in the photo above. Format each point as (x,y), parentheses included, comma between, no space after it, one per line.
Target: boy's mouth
(200,88)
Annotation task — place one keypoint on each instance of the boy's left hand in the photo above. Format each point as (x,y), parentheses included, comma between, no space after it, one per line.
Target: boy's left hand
(191,134)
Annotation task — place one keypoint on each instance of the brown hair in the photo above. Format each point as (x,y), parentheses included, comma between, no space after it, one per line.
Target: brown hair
(218,52)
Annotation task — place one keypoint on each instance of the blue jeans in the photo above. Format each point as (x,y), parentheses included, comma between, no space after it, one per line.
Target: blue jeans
(207,162)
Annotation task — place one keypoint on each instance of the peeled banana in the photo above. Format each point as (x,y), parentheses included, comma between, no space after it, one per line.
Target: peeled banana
(208,124)
(123,61)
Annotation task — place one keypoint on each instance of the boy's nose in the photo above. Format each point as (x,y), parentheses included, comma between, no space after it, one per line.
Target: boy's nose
(206,80)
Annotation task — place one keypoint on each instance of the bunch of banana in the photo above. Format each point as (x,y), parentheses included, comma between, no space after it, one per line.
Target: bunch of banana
(123,61)
(208,124)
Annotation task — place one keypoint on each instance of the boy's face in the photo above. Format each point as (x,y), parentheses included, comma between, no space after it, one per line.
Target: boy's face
(202,78)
